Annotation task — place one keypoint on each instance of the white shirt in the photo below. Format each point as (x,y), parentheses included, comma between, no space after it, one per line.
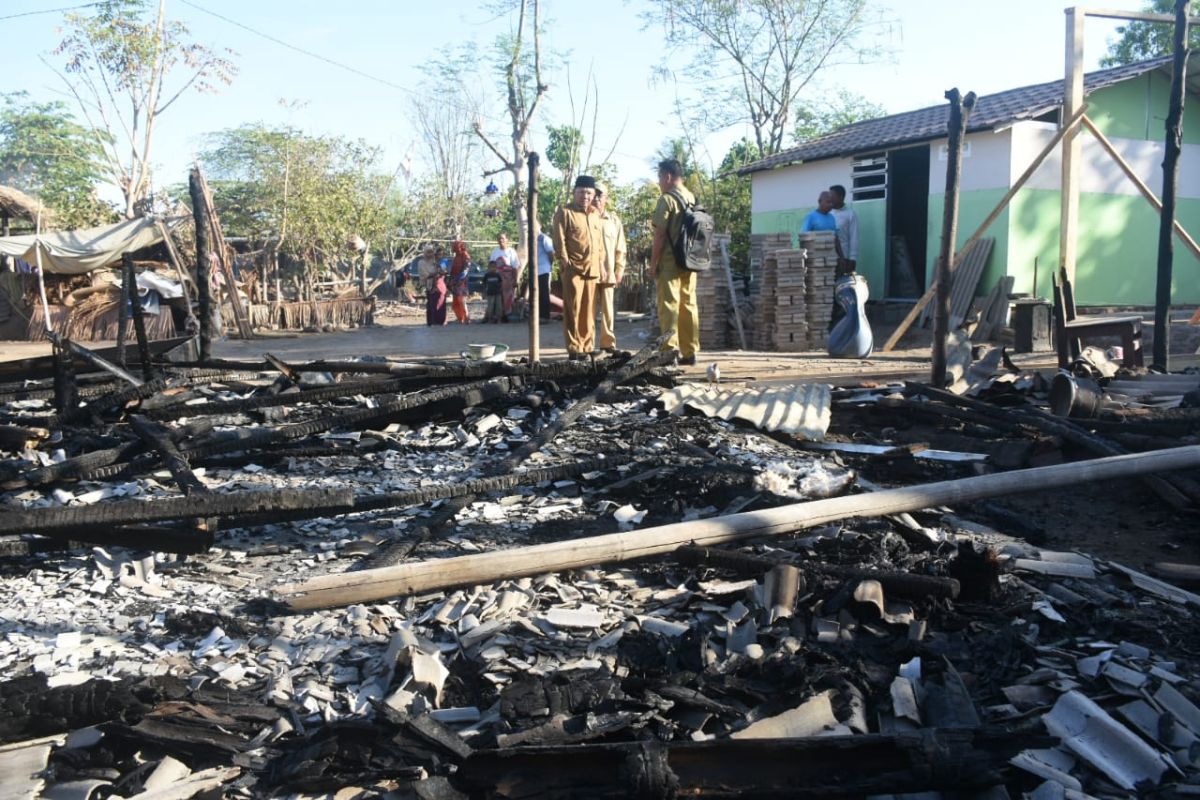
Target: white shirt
(509,254)
(847,231)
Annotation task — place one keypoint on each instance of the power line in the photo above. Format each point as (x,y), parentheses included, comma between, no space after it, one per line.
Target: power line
(357,71)
(50,11)
(300,50)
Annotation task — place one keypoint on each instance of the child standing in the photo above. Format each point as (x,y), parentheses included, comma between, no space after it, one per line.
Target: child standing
(493,290)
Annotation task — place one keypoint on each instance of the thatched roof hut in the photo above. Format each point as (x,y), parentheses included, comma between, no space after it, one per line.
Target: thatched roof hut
(15,204)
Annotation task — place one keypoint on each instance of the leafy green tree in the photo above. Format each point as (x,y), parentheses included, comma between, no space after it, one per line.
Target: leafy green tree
(814,119)
(45,152)
(1139,41)
(313,193)
(564,149)
(679,149)
(125,66)
(758,56)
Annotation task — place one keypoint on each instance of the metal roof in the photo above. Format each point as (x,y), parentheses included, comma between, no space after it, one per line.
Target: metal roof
(801,409)
(991,111)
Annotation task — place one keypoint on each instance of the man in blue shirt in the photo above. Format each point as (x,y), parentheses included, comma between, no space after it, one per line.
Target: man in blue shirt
(545,261)
(821,219)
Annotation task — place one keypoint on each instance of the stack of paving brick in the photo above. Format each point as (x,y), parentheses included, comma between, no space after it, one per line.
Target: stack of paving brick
(820,276)
(791,320)
(760,245)
(712,296)
(764,322)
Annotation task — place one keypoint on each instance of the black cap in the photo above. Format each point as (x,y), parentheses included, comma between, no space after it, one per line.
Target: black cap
(585,182)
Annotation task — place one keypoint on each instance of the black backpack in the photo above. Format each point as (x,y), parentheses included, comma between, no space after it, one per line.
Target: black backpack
(693,248)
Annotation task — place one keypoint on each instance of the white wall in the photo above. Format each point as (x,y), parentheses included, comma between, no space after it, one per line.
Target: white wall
(797,186)
(986,166)
(1100,173)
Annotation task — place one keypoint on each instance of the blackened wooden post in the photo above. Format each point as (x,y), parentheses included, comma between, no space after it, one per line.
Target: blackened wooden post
(203,265)
(123,318)
(1166,223)
(66,391)
(960,111)
(531,261)
(129,279)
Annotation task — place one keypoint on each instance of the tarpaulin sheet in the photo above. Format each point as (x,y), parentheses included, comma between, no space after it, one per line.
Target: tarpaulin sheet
(81,251)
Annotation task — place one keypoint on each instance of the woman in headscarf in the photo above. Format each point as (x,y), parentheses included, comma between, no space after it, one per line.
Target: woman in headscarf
(434,280)
(458,281)
(509,265)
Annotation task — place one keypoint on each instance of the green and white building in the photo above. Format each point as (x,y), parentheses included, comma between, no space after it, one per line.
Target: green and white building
(894,169)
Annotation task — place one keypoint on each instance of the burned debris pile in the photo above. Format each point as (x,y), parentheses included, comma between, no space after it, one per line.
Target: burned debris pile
(210,588)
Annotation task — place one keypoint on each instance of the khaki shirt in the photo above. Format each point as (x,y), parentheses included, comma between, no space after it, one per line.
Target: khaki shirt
(613,267)
(578,241)
(669,214)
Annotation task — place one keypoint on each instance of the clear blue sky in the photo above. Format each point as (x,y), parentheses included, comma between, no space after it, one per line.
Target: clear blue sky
(980,46)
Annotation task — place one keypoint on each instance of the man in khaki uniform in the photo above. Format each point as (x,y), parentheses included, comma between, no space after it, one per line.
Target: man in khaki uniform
(612,270)
(579,247)
(678,312)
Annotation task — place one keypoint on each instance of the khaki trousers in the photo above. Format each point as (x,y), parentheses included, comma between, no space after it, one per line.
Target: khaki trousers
(604,298)
(579,312)
(677,309)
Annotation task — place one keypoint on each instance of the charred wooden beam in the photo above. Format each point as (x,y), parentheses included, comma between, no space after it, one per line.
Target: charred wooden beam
(1177,491)
(14,438)
(463,396)
(453,492)
(76,467)
(156,436)
(906,584)
(127,512)
(179,540)
(106,402)
(817,767)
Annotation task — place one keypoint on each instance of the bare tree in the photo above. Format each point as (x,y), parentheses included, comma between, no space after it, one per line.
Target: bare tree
(451,146)
(524,90)
(768,50)
(119,64)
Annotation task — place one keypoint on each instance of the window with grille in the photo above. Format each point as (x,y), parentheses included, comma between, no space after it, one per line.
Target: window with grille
(869,177)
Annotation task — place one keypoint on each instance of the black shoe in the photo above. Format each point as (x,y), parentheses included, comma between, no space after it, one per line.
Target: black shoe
(687,361)
(612,351)
(577,356)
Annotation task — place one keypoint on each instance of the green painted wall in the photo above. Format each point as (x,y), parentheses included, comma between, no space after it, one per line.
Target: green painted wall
(1137,109)
(1118,248)
(872,230)
(973,208)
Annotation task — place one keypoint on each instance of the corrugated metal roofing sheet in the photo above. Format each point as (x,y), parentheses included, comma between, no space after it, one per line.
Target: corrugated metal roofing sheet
(801,409)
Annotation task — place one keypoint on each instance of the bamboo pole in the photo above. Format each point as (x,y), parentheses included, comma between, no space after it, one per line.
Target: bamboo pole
(1018,184)
(1137,181)
(423,576)
(960,112)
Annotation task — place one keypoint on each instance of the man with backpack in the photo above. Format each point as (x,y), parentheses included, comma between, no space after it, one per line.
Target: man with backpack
(678,312)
